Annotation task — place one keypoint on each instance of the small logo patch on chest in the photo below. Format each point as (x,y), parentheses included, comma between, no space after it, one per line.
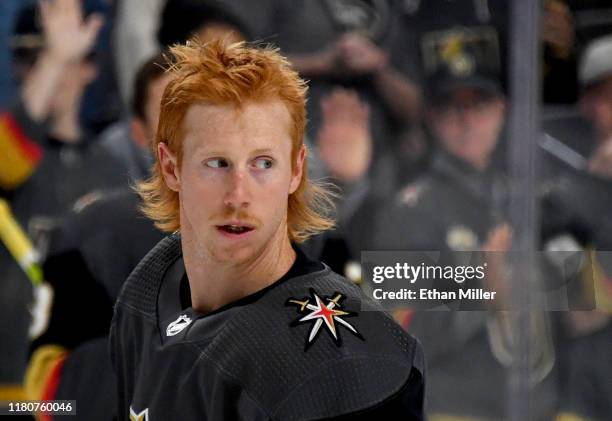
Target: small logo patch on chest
(178,325)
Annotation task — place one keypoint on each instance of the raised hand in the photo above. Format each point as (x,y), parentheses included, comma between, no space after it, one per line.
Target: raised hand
(559,28)
(360,55)
(499,239)
(68,35)
(344,140)
(495,249)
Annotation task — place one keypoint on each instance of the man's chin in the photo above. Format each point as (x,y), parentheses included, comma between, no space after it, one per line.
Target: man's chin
(235,254)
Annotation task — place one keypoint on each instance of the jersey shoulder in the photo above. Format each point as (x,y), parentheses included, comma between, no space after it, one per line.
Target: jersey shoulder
(139,293)
(316,347)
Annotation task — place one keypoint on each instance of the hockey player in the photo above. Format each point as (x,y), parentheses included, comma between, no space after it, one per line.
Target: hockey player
(226,319)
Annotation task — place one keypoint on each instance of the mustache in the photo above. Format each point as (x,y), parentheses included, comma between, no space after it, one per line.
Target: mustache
(237,214)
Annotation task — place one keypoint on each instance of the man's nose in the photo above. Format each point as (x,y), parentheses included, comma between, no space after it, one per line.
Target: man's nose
(465,116)
(470,115)
(237,193)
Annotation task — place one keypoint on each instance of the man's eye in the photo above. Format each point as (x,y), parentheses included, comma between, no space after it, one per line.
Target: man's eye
(263,163)
(216,163)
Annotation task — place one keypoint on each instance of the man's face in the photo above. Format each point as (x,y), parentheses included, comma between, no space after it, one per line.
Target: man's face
(235,179)
(596,104)
(469,124)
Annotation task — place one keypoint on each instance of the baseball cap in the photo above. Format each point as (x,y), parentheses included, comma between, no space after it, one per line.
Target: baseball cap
(462,57)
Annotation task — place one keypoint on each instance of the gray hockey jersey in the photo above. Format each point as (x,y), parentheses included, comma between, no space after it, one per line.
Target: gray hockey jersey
(307,347)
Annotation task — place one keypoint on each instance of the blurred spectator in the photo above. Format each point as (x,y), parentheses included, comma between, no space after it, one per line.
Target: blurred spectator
(596,101)
(90,256)
(46,167)
(579,183)
(129,140)
(452,23)
(46,120)
(101,102)
(579,197)
(460,205)
(342,155)
(465,114)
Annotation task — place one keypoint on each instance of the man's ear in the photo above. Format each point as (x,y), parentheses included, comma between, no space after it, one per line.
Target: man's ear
(298,170)
(169,167)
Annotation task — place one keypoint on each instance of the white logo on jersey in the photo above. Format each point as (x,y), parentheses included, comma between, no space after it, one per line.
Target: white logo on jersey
(142,416)
(176,326)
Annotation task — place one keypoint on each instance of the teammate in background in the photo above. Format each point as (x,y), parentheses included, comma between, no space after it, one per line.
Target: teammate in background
(228,319)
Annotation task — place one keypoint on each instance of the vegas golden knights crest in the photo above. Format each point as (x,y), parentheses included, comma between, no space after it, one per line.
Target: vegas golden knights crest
(141,416)
(323,312)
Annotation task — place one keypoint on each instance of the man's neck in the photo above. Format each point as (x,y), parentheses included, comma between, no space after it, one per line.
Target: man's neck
(214,284)
(478,164)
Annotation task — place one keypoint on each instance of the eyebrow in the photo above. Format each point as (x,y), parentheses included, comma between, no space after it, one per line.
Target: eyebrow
(214,152)
(263,151)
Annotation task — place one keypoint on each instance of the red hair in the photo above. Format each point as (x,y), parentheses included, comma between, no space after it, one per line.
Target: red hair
(217,73)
